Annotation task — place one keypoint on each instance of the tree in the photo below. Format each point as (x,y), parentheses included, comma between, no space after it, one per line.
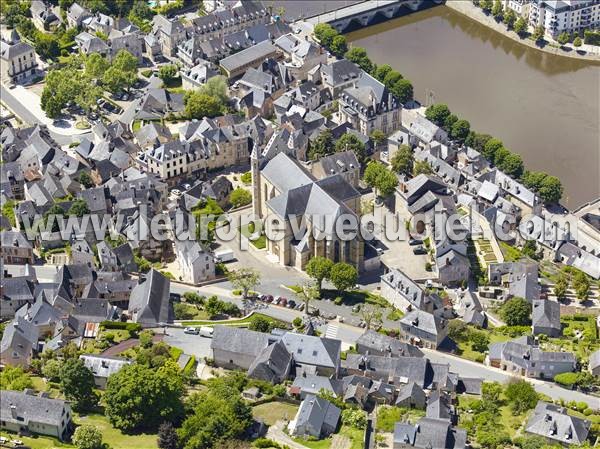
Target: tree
(530,249)
(167,436)
(261,324)
(516,312)
(381,71)
(78,208)
(521,395)
(319,268)
(339,46)
(307,294)
(244,279)
(217,87)
(51,370)
(372,315)
(358,55)
(343,276)
(77,384)
(391,78)
(46,45)
(563,38)
(490,149)
(437,113)
(551,190)
(512,165)
(421,167)
(479,341)
(497,10)
(403,90)
(116,80)
(403,160)
(561,286)
(96,65)
(486,5)
(349,142)
(380,178)
(240,197)
(199,105)
(377,136)
(54,214)
(460,130)
(491,392)
(85,179)
(581,284)
(521,26)
(325,34)
(168,73)
(14,378)
(477,141)
(87,437)
(139,397)
(538,34)
(509,18)
(126,62)
(322,145)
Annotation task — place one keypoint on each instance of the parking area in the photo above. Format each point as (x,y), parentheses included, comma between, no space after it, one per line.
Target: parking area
(195,345)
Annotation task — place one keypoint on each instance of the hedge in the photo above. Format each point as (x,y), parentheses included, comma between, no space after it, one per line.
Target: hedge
(131,327)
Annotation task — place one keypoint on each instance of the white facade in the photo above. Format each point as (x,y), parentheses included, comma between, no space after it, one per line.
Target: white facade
(558,16)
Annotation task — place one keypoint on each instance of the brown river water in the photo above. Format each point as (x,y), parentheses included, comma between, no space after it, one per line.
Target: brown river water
(542,106)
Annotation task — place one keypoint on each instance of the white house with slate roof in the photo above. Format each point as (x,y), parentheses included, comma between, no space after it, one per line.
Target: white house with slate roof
(102,367)
(18,60)
(22,412)
(316,417)
(423,329)
(556,425)
(196,263)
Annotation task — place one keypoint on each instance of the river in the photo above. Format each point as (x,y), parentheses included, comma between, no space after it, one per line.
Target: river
(542,106)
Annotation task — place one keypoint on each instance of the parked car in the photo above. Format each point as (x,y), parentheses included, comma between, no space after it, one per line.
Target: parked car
(187,186)
(419,250)
(191,331)
(414,242)
(300,306)
(282,302)
(269,298)
(175,297)
(291,304)
(276,301)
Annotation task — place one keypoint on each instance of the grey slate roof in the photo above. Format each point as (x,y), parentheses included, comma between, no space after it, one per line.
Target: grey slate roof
(381,344)
(311,350)
(258,51)
(149,301)
(430,433)
(317,412)
(30,408)
(553,422)
(19,336)
(545,315)
(238,340)
(103,366)
(312,384)
(272,363)
(14,239)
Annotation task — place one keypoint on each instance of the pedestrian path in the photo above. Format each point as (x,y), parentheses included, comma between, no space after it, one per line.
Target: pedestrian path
(332,330)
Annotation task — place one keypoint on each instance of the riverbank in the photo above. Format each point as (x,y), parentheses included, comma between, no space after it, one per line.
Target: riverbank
(467,8)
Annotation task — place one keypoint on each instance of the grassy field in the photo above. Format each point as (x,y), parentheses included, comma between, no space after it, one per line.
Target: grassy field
(111,436)
(242,322)
(259,243)
(466,352)
(270,412)
(388,416)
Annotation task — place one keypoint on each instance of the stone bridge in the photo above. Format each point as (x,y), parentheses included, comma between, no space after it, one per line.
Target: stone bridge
(369,12)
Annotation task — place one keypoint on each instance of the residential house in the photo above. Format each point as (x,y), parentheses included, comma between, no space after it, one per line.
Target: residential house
(236,348)
(429,433)
(196,263)
(273,364)
(19,343)
(574,256)
(368,105)
(405,294)
(545,318)
(18,61)
(300,55)
(519,278)
(338,75)
(197,76)
(313,385)
(594,364)
(22,412)
(424,329)
(553,423)
(237,64)
(157,103)
(102,367)
(375,343)
(15,293)
(15,248)
(316,417)
(89,43)
(149,302)
(43,16)
(411,396)
(452,263)
(343,163)
(524,357)
(422,132)
(76,14)
(169,32)
(313,355)
(394,370)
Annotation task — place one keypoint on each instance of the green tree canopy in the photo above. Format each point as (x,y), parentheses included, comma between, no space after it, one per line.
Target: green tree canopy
(359,56)
(77,384)
(168,73)
(139,397)
(343,276)
(323,145)
(200,105)
(403,160)
(437,113)
(339,46)
(325,33)
(490,148)
(403,90)
(512,165)
(349,142)
(240,197)
(460,130)
(520,26)
(422,167)
(78,208)
(516,312)
(522,396)
(381,71)
(319,268)
(244,279)
(96,65)
(380,178)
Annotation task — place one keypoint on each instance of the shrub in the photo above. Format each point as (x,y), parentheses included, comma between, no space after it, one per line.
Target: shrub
(338,301)
(566,379)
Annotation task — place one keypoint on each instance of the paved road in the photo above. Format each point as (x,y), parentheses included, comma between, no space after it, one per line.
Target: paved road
(25,114)
(190,344)
(349,334)
(467,368)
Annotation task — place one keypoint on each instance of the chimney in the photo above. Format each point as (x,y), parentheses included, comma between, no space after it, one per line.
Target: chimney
(13,411)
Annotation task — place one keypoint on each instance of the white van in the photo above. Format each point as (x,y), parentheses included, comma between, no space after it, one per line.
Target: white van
(206,331)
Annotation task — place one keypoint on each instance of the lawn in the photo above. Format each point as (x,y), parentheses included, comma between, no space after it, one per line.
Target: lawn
(511,423)
(115,438)
(271,412)
(260,242)
(511,254)
(466,352)
(388,416)
(235,322)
